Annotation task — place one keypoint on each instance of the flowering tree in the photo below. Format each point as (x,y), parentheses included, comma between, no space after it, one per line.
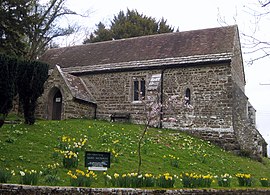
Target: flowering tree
(153,110)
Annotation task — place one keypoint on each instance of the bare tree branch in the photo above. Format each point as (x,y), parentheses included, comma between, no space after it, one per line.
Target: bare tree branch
(265,3)
(255,44)
(46,27)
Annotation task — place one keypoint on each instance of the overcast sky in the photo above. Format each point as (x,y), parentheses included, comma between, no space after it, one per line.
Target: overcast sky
(192,15)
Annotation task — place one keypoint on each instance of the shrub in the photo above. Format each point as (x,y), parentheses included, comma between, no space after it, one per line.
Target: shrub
(30,82)
(8,89)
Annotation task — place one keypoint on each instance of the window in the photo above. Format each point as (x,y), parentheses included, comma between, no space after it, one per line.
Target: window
(138,89)
(187,96)
(143,88)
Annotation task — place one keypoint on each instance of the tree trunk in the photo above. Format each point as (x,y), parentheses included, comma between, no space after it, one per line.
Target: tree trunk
(139,147)
(1,122)
(2,119)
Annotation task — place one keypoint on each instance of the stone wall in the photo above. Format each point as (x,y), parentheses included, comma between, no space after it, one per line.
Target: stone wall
(211,95)
(219,105)
(13,189)
(79,109)
(219,111)
(71,108)
(114,93)
(249,138)
(225,140)
(237,68)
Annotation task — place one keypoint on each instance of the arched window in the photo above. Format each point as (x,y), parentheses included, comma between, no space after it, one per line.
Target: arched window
(187,96)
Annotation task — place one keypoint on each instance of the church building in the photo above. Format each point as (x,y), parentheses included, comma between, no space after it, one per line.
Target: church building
(204,68)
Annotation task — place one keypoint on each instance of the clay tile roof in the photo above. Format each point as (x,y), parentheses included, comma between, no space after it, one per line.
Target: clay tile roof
(169,45)
(77,87)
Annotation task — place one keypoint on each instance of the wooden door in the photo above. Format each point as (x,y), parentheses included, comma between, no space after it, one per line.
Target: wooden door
(57,106)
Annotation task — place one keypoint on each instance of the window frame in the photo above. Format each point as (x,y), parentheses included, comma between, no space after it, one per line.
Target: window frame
(138,83)
(187,95)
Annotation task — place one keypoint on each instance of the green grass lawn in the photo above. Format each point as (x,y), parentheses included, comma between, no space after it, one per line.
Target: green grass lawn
(164,151)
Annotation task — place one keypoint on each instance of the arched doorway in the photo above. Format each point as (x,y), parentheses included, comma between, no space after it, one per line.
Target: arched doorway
(56,109)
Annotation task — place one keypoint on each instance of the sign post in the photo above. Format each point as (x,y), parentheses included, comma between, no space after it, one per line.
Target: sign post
(97,161)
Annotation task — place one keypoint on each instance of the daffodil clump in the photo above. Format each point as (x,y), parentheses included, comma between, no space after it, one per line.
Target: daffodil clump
(29,177)
(135,180)
(264,182)
(114,155)
(244,179)
(82,179)
(132,180)
(203,158)
(200,154)
(70,159)
(50,172)
(149,180)
(193,180)
(50,169)
(165,181)
(68,143)
(173,160)
(224,180)
(69,148)
(6,174)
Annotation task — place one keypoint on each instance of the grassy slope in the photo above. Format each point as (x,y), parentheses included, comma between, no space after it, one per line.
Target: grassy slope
(31,147)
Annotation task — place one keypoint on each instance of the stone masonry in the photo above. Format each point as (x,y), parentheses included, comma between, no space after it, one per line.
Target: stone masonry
(100,79)
(13,189)
(71,106)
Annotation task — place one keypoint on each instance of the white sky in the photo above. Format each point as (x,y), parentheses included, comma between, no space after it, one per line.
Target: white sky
(191,15)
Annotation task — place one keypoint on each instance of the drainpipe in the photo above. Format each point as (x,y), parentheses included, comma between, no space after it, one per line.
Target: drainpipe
(161,98)
(95,112)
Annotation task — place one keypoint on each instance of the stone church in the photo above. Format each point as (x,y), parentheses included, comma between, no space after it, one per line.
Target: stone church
(101,80)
